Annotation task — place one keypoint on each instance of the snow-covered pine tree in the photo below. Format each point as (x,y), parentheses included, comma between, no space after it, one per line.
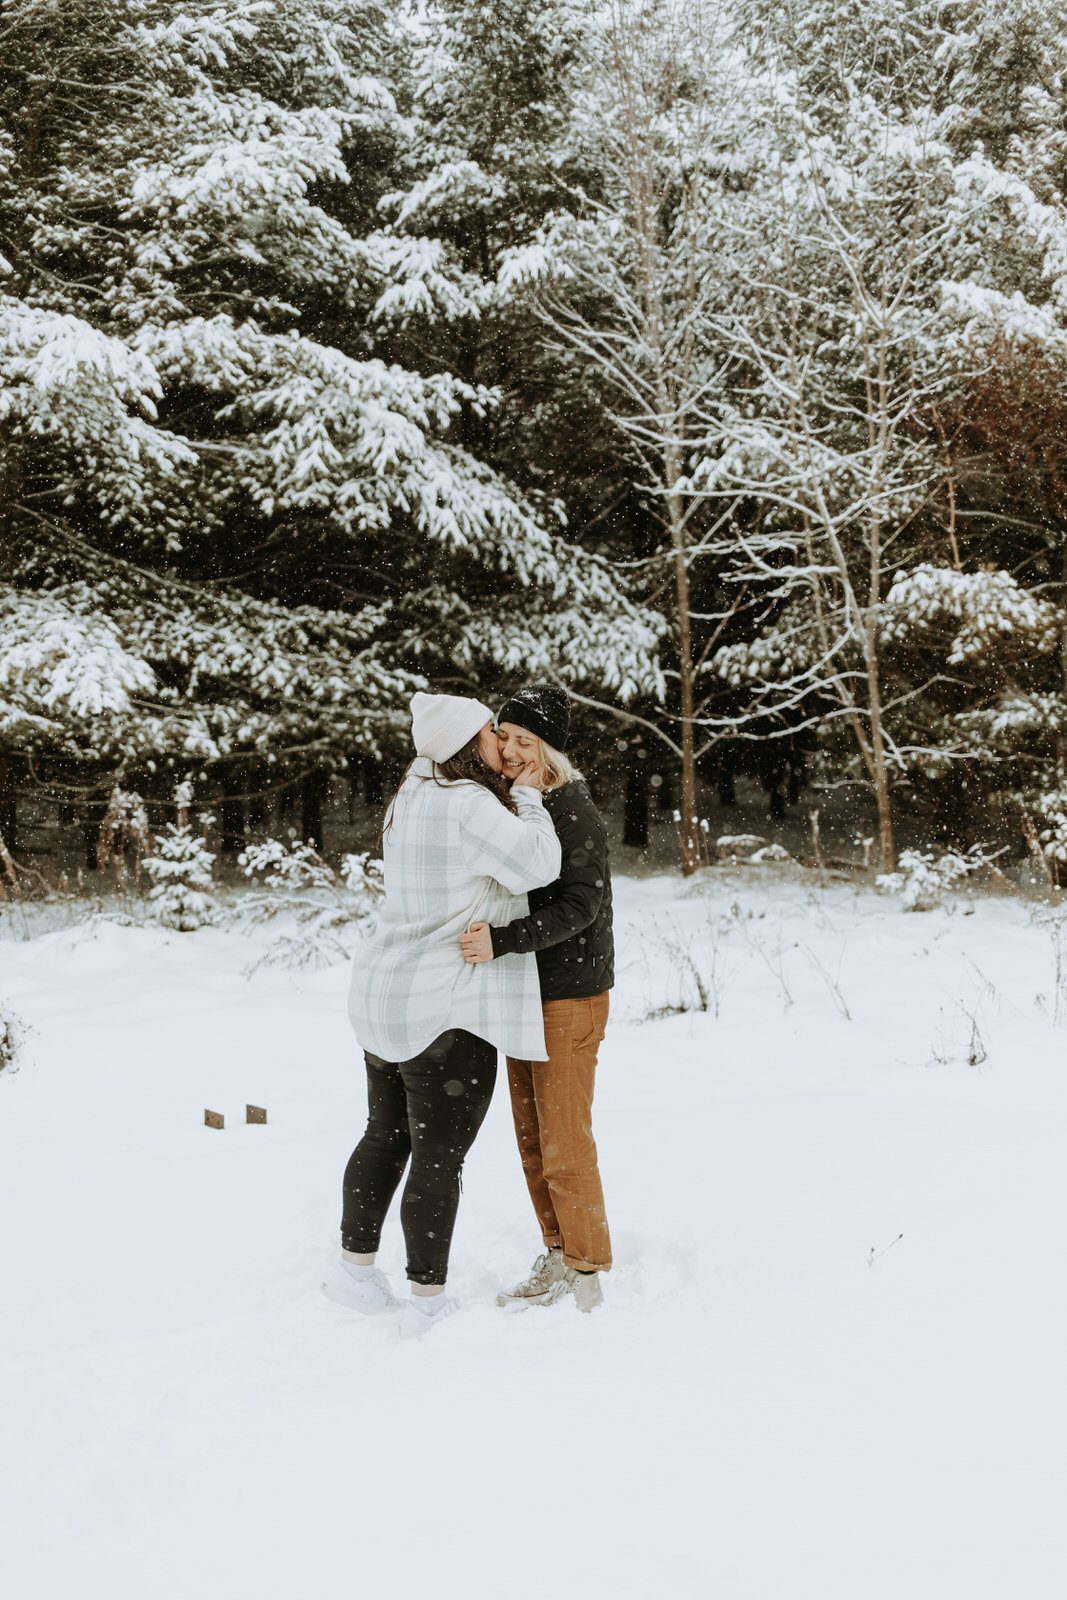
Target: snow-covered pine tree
(322,912)
(273,450)
(621,267)
(491,148)
(237,539)
(183,892)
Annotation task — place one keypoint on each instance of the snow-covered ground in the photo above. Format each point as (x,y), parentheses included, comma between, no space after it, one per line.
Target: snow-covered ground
(759,1411)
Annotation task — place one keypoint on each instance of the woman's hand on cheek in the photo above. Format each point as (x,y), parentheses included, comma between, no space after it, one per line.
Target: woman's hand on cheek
(532,776)
(477,945)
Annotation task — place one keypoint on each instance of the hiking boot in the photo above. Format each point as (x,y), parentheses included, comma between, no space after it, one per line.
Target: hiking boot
(547,1271)
(584,1286)
(417,1319)
(369,1294)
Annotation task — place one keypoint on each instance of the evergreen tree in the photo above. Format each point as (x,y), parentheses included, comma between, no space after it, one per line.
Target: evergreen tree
(220,537)
(180,897)
(182,892)
(283,431)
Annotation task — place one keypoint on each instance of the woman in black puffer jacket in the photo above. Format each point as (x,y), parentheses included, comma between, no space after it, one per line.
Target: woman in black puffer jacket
(569,928)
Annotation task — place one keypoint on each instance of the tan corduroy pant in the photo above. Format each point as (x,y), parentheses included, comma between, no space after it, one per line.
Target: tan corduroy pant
(552,1103)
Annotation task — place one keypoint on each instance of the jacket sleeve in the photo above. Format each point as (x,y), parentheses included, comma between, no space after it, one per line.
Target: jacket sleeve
(576,897)
(520,852)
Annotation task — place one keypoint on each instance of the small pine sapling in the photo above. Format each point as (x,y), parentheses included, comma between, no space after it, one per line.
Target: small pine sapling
(364,879)
(292,881)
(923,881)
(182,893)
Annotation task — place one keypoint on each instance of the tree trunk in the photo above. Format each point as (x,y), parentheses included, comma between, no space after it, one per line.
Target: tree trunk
(690,847)
(10,484)
(372,782)
(8,803)
(690,855)
(870,651)
(880,772)
(313,793)
(1063,674)
(232,816)
(635,812)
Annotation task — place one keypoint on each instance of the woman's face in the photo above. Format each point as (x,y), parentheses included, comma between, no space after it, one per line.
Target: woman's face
(489,745)
(517,747)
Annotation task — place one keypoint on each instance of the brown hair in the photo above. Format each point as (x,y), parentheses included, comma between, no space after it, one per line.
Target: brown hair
(468,765)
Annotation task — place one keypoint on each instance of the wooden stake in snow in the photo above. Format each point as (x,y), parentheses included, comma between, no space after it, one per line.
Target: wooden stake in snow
(213,1119)
(255,1114)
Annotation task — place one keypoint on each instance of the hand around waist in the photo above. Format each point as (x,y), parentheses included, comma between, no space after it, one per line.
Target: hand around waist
(477,944)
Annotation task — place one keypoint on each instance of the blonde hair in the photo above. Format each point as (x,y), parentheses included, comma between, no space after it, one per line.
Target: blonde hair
(557,768)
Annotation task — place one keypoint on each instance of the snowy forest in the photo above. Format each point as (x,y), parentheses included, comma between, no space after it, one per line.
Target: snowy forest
(707,360)
(710,360)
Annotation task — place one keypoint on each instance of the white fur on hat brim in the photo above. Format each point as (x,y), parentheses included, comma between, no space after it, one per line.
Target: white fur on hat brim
(441,724)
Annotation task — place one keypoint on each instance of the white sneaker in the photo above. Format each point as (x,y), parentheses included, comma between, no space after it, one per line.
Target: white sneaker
(537,1289)
(415,1321)
(369,1295)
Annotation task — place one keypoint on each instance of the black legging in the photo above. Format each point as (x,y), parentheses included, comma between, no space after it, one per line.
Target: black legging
(431,1109)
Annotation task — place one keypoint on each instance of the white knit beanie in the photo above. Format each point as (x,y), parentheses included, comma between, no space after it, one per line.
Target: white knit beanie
(441,724)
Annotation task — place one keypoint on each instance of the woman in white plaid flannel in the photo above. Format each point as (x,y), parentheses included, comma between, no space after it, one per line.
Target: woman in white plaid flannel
(457,847)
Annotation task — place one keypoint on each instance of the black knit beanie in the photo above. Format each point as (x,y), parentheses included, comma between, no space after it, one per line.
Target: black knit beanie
(542,709)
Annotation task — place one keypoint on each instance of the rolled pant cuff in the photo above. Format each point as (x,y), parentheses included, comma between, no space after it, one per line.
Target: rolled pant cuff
(585,1266)
(360,1247)
(426,1280)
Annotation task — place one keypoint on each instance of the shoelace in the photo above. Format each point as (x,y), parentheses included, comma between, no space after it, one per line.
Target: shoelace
(539,1275)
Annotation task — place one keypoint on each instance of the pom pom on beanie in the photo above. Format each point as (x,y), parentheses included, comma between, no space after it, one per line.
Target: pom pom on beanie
(441,724)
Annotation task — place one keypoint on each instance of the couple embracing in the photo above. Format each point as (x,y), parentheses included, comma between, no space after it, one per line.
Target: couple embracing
(495,935)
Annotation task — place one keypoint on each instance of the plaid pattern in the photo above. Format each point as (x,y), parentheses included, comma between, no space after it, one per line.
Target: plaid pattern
(453,856)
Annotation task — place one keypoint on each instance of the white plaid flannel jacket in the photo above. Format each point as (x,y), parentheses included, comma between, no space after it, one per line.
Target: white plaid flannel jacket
(453,855)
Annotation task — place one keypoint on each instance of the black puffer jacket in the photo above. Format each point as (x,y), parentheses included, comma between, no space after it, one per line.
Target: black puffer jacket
(569,925)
